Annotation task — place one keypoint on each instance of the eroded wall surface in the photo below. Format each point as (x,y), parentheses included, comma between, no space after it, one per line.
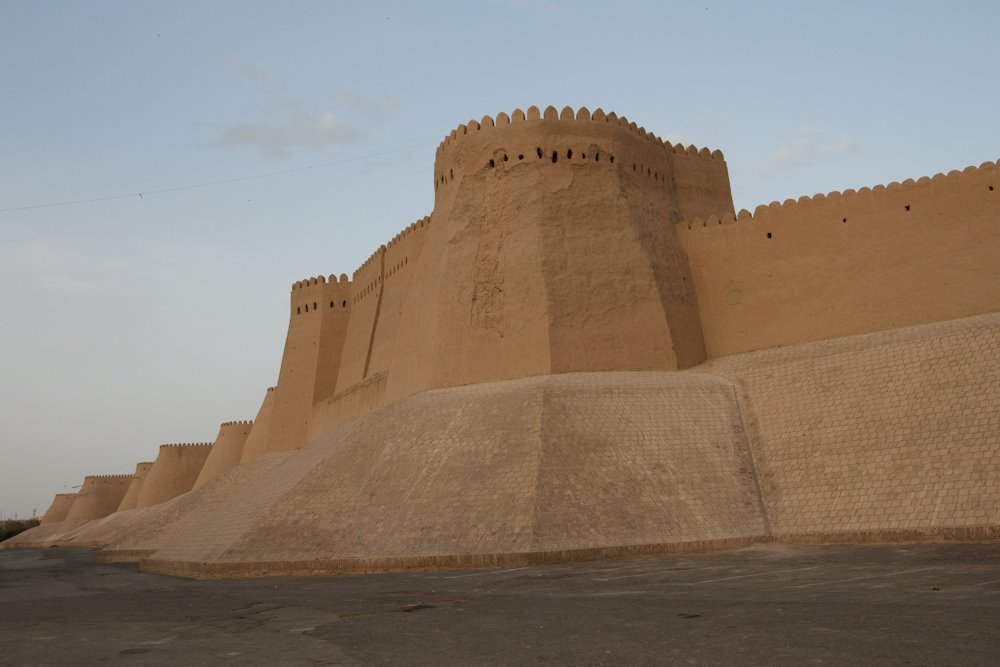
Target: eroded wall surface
(552,250)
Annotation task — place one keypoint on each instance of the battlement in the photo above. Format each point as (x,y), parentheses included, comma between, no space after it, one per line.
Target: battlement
(768,212)
(185,444)
(319,280)
(311,295)
(567,115)
(578,144)
(368,262)
(246,422)
(409,229)
(105,477)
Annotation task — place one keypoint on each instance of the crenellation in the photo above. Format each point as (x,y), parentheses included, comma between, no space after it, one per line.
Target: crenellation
(849,196)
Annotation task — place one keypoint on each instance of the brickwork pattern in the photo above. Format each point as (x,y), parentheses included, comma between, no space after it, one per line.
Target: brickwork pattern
(541,465)
(896,431)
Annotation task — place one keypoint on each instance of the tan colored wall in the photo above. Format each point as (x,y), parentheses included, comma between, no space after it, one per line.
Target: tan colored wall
(174,472)
(60,507)
(259,438)
(359,400)
(226,451)
(534,266)
(131,496)
(533,465)
(907,254)
(365,308)
(893,431)
(99,496)
(402,256)
(311,360)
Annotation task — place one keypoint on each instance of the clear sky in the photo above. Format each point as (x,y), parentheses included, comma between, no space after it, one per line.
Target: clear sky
(136,321)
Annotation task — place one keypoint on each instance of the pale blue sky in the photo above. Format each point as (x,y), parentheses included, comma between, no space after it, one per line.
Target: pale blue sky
(132,322)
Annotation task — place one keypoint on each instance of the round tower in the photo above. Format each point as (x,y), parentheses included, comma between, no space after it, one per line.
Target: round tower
(132,494)
(59,508)
(174,472)
(553,250)
(226,451)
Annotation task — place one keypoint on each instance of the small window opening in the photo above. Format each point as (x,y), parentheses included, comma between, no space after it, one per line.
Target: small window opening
(492,164)
(991,188)
(298,311)
(844,220)
(907,207)
(332,304)
(583,156)
(307,307)
(769,235)
(344,304)
(555,157)
(505,157)
(633,166)
(520,157)
(597,157)
(315,307)
(539,151)
(569,154)
(451,174)
(612,159)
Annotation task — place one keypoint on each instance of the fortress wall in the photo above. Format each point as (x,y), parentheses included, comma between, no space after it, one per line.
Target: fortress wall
(259,438)
(848,263)
(174,472)
(60,507)
(401,258)
(131,496)
(133,535)
(365,307)
(701,185)
(889,432)
(526,469)
(550,252)
(310,362)
(226,451)
(336,313)
(99,496)
(359,400)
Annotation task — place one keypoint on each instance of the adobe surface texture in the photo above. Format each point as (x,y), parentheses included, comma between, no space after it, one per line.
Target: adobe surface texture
(858,605)
(585,352)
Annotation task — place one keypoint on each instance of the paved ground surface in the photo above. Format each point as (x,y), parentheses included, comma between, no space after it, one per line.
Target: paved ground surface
(920,605)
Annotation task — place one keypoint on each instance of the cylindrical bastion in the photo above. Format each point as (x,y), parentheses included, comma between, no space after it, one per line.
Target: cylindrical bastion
(99,496)
(226,451)
(132,495)
(59,508)
(174,472)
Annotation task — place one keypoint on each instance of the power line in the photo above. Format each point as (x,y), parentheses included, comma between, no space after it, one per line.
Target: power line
(193,186)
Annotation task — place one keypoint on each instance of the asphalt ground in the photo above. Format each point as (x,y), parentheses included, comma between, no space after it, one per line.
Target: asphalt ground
(775,605)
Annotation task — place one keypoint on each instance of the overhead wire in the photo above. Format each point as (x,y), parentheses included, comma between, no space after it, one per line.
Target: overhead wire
(206,184)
